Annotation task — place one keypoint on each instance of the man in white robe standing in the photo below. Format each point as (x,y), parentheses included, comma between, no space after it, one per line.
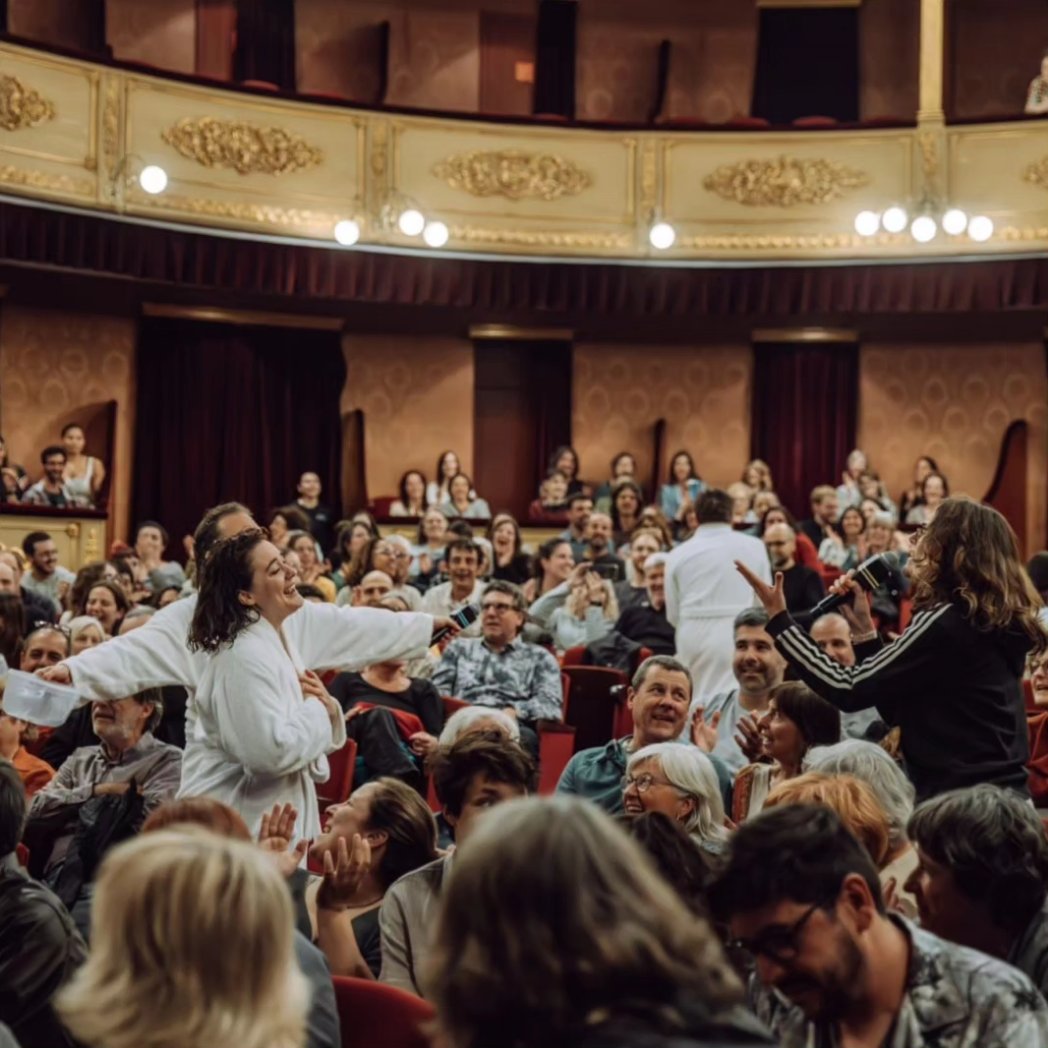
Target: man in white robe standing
(703,594)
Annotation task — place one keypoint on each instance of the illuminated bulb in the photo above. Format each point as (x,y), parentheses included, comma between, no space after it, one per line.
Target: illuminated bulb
(347,232)
(662,235)
(923,229)
(894,220)
(867,223)
(435,234)
(153,179)
(955,221)
(411,222)
(980,228)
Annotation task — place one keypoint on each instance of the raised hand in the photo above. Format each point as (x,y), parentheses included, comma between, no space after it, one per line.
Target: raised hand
(749,738)
(703,732)
(770,596)
(344,873)
(275,836)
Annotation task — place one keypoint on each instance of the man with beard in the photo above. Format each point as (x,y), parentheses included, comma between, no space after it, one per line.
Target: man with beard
(802,898)
(802,586)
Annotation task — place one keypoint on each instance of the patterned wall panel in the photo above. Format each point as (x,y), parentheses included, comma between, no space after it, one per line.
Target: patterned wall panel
(161,33)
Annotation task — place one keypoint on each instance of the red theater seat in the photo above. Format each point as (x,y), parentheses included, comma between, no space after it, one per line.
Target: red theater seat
(372,1014)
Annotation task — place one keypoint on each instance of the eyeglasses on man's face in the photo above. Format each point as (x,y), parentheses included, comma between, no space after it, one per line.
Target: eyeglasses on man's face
(779,943)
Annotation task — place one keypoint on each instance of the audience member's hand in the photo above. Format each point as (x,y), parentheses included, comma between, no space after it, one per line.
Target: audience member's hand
(578,574)
(110,789)
(58,674)
(453,628)
(189,546)
(343,874)
(749,738)
(422,743)
(353,712)
(770,596)
(857,609)
(703,732)
(597,593)
(275,836)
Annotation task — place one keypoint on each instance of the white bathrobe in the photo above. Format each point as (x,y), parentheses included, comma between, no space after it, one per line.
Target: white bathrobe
(256,740)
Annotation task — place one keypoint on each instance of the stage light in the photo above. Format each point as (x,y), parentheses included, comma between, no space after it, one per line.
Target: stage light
(347,232)
(923,229)
(153,179)
(867,223)
(955,221)
(894,220)
(411,222)
(435,234)
(980,228)
(662,236)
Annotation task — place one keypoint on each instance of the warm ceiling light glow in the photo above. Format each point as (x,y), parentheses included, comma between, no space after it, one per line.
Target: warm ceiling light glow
(955,221)
(867,223)
(435,234)
(347,232)
(980,228)
(894,220)
(153,179)
(662,235)
(411,222)
(923,229)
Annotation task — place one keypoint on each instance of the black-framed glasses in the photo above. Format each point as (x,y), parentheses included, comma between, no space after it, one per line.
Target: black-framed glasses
(778,944)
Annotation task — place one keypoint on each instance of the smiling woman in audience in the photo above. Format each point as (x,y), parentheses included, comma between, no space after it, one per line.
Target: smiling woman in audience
(626,502)
(512,564)
(107,603)
(565,459)
(448,466)
(312,571)
(683,485)
(757,475)
(462,501)
(845,548)
(935,489)
(633,589)
(285,520)
(412,501)
(553,565)
(84,475)
(151,540)
(912,497)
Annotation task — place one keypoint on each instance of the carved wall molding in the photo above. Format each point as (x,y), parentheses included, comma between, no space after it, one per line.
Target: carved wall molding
(783,182)
(17,176)
(242,147)
(513,173)
(541,238)
(1037,173)
(21,106)
(263,214)
(111,126)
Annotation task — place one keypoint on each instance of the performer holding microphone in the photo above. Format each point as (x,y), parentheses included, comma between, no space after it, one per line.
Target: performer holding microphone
(952,681)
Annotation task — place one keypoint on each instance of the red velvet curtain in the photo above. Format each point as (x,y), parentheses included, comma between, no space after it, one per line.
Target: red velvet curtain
(265,48)
(228,412)
(804,414)
(555,58)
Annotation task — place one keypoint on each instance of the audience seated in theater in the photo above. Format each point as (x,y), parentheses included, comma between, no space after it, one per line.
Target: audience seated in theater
(689,525)
(600,554)
(981,874)
(580,507)
(824,514)
(1037,93)
(510,562)
(1037,728)
(45,576)
(372,590)
(802,586)
(551,506)
(285,520)
(845,547)
(499,668)
(151,539)
(621,964)
(321,517)
(741,495)
(85,631)
(84,475)
(872,487)
(51,489)
(757,476)
(311,568)
(626,502)
(222,913)
(14,733)
(382,832)
(44,645)
(352,537)
(658,699)
(652,518)
(722,724)
(477,772)
(41,947)
(912,497)
(802,897)
(86,577)
(391,557)
(681,782)
(274,840)
(762,502)
(934,491)
(645,623)
(12,626)
(807,553)
(7,464)
(644,542)
(462,501)
(463,586)
(796,720)
(833,634)
(682,486)
(848,492)
(623,467)
(579,611)
(565,460)
(107,603)
(448,466)
(395,717)
(412,491)
(10,489)
(551,568)
(430,550)
(402,557)
(130,576)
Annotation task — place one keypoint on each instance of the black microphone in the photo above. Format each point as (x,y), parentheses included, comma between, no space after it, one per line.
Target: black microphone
(871,574)
(462,618)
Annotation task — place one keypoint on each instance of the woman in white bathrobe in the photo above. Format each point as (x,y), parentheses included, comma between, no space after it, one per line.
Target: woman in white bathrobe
(263,725)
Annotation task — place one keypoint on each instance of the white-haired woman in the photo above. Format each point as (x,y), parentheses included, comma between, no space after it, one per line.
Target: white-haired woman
(478,718)
(85,631)
(681,782)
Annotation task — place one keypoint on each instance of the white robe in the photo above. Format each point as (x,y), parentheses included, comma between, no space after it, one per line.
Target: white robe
(256,740)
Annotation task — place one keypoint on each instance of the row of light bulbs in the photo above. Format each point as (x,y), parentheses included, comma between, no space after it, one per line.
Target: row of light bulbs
(411,222)
(923,227)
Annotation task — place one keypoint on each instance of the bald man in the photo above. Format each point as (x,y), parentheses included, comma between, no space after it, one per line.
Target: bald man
(833,635)
(801,586)
(373,588)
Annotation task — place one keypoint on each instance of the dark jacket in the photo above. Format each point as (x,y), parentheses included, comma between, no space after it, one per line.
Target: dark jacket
(649,628)
(39,950)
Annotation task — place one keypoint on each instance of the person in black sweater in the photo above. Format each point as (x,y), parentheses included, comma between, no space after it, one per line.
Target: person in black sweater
(952,681)
(801,586)
(646,622)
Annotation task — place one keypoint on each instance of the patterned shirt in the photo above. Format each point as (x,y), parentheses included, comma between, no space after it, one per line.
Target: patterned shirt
(954,998)
(522,675)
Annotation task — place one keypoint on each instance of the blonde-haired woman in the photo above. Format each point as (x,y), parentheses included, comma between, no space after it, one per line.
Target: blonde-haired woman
(584,609)
(191,947)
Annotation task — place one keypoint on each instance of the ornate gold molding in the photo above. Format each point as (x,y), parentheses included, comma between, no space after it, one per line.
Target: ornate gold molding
(21,106)
(243,147)
(111,126)
(264,214)
(16,176)
(1037,173)
(512,173)
(542,238)
(783,182)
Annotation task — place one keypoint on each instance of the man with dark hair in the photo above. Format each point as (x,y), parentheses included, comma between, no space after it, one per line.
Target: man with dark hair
(477,772)
(704,592)
(463,586)
(599,551)
(658,698)
(39,946)
(45,576)
(45,646)
(824,512)
(980,880)
(802,899)
(580,507)
(50,489)
(34,607)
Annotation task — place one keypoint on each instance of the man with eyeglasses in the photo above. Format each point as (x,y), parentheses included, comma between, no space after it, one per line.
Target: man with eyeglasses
(803,902)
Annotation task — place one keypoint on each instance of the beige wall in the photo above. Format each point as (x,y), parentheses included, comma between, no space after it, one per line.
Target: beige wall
(417,399)
(954,403)
(158,32)
(60,367)
(703,393)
